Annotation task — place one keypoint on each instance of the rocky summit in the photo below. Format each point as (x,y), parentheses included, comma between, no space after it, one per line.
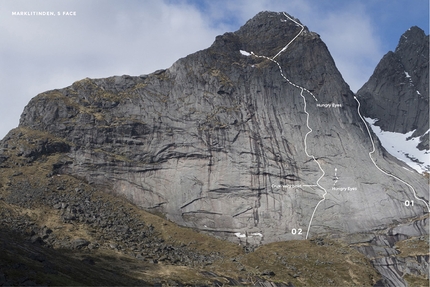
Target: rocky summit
(397,94)
(256,140)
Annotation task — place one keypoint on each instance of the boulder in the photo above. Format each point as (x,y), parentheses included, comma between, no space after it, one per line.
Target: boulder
(79,243)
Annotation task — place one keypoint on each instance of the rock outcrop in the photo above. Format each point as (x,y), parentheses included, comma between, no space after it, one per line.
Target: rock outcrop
(220,141)
(397,94)
(256,139)
(57,230)
(400,253)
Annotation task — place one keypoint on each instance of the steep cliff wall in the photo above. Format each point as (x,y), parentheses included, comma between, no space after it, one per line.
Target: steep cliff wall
(235,142)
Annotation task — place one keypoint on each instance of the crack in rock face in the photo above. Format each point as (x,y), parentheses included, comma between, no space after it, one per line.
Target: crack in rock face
(216,142)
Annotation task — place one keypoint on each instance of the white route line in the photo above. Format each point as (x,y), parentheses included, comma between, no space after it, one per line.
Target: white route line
(282,50)
(286,46)
(380,169)
(312,156)
(307,114)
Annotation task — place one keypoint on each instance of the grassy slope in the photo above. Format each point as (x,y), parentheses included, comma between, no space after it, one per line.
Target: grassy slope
(302,263)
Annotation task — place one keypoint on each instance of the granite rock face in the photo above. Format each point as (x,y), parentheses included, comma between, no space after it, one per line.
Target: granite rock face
(391,261)
(397,94)
(220,140)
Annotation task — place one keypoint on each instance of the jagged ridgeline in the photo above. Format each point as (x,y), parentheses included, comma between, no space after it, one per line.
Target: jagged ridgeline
(397,97)
(401,78)
(256,139)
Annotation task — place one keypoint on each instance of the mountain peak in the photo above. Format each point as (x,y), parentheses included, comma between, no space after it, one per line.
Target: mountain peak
(401,79)
(272,24)
(412,37)
(264,34)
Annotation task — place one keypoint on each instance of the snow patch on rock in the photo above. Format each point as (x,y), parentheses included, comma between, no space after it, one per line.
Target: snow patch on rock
(245,53)
(240,235)
(403,147)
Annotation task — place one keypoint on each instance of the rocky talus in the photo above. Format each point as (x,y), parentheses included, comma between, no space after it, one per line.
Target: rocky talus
(57,230)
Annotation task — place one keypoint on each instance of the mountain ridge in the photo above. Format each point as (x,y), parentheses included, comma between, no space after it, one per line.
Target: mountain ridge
(407,67)
(93,114)
(396,99)
(221,142)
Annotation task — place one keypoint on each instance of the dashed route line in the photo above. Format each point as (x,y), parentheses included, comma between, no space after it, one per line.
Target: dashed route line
(336,178)
(302,89)
(380,169)
(282,50)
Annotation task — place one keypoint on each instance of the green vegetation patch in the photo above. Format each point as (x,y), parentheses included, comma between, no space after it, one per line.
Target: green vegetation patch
(413,246)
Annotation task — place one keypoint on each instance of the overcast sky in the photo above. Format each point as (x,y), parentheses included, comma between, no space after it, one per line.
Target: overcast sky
(116,37)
